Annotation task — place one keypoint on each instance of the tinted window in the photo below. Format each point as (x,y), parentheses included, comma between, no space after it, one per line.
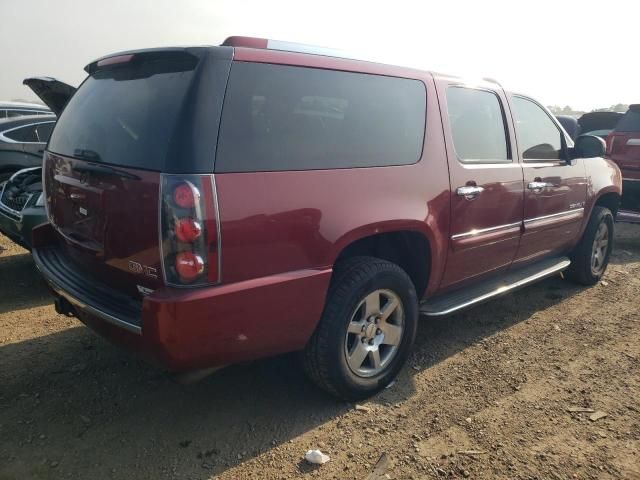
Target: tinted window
(630,122)
(3,114)
(291,118)
(538,137)
(23,134)
(43,131)
(477,125)
(126,115)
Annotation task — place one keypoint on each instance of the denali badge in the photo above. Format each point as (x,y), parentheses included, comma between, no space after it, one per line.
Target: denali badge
(140,269)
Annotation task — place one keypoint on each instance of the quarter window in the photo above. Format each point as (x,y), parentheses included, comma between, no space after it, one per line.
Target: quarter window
(23,134)
(477,125)
(538,137)
(278,117)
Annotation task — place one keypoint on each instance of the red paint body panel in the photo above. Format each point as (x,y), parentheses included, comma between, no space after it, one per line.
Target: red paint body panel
(186,330)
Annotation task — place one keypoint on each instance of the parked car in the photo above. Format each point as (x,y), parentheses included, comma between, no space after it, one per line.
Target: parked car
(21,201)
(623,147)
(19,109)
(22,205)
(22,142)
(213,205)
(599,124)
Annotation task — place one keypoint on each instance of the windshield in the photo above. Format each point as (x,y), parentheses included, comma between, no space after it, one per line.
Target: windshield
(126,115)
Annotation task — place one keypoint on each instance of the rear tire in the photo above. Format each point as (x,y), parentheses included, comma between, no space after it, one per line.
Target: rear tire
(590,258)
(366,331)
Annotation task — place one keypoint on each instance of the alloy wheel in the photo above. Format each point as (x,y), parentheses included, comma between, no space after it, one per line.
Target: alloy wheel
(600,249)
(374,333)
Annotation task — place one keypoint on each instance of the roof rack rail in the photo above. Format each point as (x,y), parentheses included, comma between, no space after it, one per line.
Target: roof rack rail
(267,44)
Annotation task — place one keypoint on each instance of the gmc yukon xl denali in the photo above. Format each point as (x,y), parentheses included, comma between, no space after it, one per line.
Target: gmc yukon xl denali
(214,205)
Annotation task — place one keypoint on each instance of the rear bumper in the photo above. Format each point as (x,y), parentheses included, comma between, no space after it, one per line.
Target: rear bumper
(185,329)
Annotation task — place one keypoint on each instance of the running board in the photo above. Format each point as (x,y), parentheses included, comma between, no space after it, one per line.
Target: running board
(452,302)
(628,216)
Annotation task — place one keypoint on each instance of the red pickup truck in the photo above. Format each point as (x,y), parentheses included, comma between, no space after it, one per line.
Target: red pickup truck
(213,205)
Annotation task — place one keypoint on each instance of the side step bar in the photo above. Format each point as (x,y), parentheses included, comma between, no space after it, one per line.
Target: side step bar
(452,302)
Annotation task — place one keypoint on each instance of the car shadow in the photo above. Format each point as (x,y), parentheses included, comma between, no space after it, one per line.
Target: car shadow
(72,395)
(627,244)
(21,284)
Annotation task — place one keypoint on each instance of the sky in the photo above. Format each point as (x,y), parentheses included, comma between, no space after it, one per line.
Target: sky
(562,52)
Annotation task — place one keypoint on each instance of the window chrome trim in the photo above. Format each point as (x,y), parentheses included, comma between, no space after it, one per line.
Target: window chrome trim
(630,179)
(26,111)
(566,213)
(10,140)
(474,232)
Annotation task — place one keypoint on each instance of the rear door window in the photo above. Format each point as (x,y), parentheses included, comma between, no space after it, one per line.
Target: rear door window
(630,122)
(477,125)
(538,136)
(279,117)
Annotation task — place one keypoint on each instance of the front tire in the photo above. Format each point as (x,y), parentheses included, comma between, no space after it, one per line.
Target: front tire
(591,256)
(366,331)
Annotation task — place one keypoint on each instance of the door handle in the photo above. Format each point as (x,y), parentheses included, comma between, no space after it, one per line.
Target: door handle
(469,191)
(538,186)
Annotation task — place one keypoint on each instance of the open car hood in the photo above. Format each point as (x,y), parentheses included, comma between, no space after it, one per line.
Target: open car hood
(54,93)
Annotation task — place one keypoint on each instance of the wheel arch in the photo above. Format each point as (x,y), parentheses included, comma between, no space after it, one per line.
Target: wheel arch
(610,199)
(408,244)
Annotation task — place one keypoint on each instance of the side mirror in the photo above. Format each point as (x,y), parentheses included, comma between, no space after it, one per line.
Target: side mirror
(589,146)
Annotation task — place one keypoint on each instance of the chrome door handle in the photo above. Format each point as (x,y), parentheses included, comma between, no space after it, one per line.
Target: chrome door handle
(469,191)
(538,186)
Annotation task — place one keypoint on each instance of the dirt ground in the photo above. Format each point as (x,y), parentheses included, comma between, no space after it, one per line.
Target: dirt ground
(487,394)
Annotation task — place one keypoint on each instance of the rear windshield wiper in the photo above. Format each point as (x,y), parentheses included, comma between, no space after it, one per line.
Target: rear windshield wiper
(104,170)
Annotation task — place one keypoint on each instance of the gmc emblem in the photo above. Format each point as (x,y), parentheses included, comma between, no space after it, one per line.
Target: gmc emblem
(139,269)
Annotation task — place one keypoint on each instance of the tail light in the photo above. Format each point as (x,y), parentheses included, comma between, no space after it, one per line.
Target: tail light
(189,230)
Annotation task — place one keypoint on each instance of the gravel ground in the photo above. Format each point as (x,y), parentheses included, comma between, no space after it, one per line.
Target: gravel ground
(495,392)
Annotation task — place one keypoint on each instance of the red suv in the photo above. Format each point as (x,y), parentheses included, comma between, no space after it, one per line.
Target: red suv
(213,205)
(623,147)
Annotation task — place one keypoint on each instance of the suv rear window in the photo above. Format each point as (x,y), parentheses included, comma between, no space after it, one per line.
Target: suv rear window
(630,122)
(126,115)
(294,118)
